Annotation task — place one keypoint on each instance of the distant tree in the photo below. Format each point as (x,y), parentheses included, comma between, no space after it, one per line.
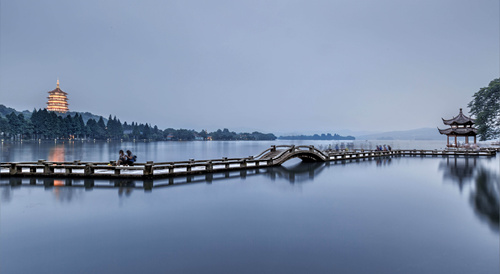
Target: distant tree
(4,126)
(80,126)
(92,128)
(203,133)
(136,131)
(486,107)
(146,132)
(101,129)
(16,125)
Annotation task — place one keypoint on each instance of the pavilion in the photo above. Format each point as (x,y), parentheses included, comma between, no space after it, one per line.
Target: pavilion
(460,126)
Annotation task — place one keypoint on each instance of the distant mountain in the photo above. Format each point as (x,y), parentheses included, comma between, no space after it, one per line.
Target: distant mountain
(4,111)
(414,134)
(86,116)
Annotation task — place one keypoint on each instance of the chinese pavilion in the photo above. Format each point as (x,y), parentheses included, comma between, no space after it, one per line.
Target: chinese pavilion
(460,126)
(58,100)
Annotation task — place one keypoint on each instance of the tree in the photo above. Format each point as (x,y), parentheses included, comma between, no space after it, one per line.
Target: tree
(100,129)
(4,126)
(486,107)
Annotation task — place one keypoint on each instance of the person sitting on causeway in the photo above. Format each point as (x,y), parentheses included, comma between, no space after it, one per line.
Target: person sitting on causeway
(121,159)
(129,158)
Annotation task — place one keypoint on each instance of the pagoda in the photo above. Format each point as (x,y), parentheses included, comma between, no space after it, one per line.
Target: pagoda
(460,126)
(58,100)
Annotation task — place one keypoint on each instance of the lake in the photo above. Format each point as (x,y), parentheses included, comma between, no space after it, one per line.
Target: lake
(390,215)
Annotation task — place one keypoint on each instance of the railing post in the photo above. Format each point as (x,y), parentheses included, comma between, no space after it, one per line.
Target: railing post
(273,148)
(13,169)
(47,169)
(209,167)
(148,169)
(243,163)
(89,169)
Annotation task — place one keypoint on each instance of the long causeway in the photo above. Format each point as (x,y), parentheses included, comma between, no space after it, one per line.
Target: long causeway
(273,156)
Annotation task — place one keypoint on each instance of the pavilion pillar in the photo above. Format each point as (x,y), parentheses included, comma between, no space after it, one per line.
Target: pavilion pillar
(474,139)
(447,140)
(467,139)
(455,140)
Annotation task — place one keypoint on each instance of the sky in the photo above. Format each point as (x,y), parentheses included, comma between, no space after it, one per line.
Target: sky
(287,67)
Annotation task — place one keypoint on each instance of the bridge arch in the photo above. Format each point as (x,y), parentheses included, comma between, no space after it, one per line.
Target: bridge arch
(306,156)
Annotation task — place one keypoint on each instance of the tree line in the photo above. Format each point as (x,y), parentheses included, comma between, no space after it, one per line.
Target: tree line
(486,107)
(317,137)
(45,124)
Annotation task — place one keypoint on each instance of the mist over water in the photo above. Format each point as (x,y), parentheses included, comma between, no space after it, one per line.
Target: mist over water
(389,215)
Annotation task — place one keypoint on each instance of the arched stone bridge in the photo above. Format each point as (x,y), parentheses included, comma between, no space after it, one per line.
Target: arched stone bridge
(283,153)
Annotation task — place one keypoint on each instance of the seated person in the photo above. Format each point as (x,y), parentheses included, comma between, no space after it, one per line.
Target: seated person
(121,159)
(129,158)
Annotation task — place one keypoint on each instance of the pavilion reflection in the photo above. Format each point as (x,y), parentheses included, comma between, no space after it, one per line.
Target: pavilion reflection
(485,198)
(485,193)
(459,170)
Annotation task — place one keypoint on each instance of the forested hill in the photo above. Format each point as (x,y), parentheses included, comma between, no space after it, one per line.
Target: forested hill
(4,111)
(43,124)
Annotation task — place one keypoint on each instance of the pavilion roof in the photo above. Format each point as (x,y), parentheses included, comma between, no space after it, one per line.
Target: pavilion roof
(460,119)
(467,131)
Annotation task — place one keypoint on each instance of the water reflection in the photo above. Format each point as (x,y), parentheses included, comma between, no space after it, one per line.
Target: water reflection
(56,154)
(485,198)
(383,161)
(66,189)
(485,193)
(458,170)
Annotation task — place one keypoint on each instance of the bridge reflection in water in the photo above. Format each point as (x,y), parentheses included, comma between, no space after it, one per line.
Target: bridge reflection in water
(298,173)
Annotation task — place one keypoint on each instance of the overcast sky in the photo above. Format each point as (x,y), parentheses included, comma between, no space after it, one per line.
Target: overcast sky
(272,66)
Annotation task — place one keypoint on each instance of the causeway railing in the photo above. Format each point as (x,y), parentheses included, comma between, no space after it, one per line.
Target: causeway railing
(276,155)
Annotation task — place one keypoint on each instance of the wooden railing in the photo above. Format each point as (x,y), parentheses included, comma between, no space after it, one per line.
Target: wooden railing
(280,154)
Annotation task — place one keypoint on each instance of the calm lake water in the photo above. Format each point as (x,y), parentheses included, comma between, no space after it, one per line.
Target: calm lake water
(392,215)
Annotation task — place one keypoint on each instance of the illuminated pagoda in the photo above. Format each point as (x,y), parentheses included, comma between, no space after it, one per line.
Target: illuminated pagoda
(58,100)
(460,126)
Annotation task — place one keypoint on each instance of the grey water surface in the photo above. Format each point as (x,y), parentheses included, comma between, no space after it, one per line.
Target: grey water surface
(390,215)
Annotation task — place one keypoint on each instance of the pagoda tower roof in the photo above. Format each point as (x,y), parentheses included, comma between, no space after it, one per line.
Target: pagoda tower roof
(58,90)
(460,119)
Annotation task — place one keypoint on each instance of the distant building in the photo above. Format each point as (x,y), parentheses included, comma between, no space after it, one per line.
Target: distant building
(460,126)
(58,100)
